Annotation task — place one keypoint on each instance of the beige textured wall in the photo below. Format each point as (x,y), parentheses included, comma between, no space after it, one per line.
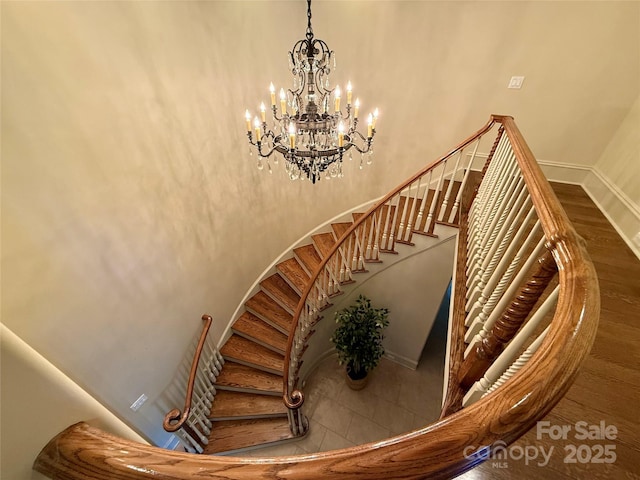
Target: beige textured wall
(129,206)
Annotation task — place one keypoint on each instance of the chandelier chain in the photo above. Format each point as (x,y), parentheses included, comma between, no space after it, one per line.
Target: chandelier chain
(309,29)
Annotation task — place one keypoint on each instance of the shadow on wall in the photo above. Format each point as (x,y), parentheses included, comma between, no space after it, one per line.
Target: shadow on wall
(435,347)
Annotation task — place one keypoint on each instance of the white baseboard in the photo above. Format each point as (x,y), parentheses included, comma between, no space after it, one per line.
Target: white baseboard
(564,172)
(616,206)
(401,360)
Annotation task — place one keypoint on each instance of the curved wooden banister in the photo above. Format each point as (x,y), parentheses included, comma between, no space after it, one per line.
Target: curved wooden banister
(441,450)
(360,221)
(174,419)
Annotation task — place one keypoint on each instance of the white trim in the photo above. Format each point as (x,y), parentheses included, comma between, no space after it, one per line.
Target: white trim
(570,173)
(620,195)
(401,360)
(623,200)
(447,353)
(584,176)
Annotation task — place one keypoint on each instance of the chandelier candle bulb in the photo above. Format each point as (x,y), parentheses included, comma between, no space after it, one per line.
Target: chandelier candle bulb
(341,135)
(272,90)
(292,136)
(263,113)
(256,123)
(247,117)
(370,126)
(337,98)
(349,92)
(283,102)
(355,112)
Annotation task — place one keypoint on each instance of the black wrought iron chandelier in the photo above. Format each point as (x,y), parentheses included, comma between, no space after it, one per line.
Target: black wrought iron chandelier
(312,140)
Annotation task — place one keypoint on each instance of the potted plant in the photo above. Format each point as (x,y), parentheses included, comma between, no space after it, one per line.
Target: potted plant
(358,339)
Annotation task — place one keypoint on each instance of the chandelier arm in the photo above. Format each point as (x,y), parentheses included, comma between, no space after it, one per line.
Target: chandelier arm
(276,117)
(271,150)
(366,141)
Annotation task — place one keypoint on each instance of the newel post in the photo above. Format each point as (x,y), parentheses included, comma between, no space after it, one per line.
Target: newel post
(485,351)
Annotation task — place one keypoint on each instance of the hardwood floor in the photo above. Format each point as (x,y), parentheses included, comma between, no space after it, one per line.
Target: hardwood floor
(607,388)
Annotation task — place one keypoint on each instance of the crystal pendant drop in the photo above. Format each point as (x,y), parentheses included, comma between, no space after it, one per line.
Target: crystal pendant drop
(350,157)
(269,166)
(370,157)
(260,163)
(361,161)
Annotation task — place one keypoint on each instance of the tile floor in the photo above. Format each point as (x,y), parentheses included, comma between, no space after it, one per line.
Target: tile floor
(396,400)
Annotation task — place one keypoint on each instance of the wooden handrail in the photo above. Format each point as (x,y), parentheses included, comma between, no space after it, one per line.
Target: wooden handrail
(435,451)
(360,221)
(174,419)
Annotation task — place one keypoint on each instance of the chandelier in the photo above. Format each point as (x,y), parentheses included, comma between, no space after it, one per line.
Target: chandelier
(310,130)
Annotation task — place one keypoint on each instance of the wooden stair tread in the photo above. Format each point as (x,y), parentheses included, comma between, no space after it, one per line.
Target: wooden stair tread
(228,404)
(264,307)
(241,350)
(324,242)
(309,257)
(293,272)
(278,289)
(250,326)
(340,228)
(230,435)
(235,376)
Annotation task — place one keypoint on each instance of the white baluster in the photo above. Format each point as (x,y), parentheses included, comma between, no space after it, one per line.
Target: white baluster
(445,202)
(203,440)
(483,328)
(488,183)
(436,197)
(405,204)
(423,201)
(465,177)
(519,363)
(487,188)
(376,247)
(483,232)
(189,442)
(385,227)
(412,214)
(504,367)
(501,276)
(481,270)
(510,352)
(394,220)
(370,240)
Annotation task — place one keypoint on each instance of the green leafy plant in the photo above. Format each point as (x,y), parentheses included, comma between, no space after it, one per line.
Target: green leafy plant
(358,338)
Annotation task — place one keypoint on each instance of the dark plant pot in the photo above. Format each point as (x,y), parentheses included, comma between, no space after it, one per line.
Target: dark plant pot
(356,380)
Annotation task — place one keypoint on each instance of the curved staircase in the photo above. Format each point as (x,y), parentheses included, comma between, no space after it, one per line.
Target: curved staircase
(515,343)
(248,411)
